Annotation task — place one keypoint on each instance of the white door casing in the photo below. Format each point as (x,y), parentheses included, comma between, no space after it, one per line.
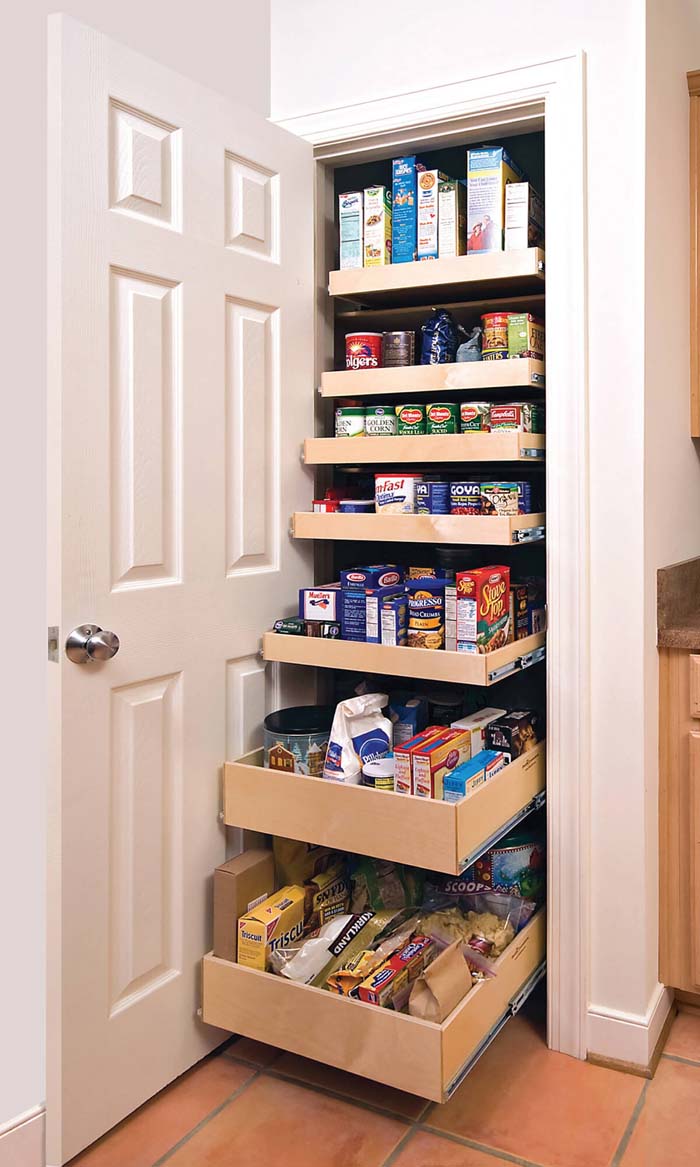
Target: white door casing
(180,386)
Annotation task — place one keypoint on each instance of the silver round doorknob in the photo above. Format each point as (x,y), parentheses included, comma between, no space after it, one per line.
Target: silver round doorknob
(90,642)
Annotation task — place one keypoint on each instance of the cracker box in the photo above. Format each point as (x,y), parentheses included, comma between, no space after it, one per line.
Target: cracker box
(404,218)
(452,218)
(377,237)
(393,620)
(524,221)
(489,171)
(525,335)
(403,757)
(351,220)
(427,198)
(514,734)
(476,724)
(324,603)
(483,608)
(274,923)
(439,757)
(383,985)
(473,774)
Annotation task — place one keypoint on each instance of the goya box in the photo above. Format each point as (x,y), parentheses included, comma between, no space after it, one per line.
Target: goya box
(403,754)
(350,217)
(404,217)
(377,226)
(321,603)
(427,196)
(489,170)
(274,923)
(483,609)
(410,419)
(525,335)
(442,417)
(436,759)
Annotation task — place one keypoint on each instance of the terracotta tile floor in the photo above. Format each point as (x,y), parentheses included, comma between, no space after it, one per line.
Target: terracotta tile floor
(522,1104)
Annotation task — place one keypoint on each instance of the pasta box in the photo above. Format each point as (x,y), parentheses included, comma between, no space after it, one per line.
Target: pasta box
(324,603)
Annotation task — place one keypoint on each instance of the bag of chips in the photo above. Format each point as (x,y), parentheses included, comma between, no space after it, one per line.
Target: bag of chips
(440,338)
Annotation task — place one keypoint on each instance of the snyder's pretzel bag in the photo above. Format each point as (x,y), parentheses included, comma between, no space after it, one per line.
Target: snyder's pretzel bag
(360,733)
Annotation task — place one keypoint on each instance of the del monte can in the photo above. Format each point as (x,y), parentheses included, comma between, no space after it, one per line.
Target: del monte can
(410,419)
(442,418)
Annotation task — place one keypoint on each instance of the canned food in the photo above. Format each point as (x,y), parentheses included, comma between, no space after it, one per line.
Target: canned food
(441,418)
(363,350)
(398,349)
(474,415)
(410,419)
(396,493)
(380,421)
(326,505)
(465,498)
(494,345)
(432,498)
(349,421)
(356,506)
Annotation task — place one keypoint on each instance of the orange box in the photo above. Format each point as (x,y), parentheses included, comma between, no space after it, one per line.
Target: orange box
(403,769)
(441,756)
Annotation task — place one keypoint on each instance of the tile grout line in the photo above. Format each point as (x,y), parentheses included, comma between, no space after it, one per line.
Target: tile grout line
(400,1146)
(629,1129)
(474,1146)
(383,1112)
(681,1059)
(207,1118)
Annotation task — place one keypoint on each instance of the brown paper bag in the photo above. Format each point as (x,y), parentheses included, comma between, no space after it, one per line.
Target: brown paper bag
(440,988)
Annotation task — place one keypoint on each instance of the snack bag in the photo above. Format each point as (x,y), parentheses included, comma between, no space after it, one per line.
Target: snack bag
(378,884)
(360,733)
(296,862)
(441,986)
(440,337)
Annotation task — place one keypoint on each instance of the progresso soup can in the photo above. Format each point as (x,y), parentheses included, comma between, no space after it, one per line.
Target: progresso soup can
(363,350)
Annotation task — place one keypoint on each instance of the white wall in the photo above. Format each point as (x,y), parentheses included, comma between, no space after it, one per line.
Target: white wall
(225,46)
(315,68)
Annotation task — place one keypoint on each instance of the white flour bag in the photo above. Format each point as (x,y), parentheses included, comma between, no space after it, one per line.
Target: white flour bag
(359,734)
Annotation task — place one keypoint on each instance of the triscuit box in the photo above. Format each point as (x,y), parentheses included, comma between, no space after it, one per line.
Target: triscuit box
(452,218)
(489,170)
(524,222)
(351,224)
(377,246)
(275,923)
(427,227)
(404,222)
(239,884)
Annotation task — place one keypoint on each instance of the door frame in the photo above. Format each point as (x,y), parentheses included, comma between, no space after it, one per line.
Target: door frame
(550,94)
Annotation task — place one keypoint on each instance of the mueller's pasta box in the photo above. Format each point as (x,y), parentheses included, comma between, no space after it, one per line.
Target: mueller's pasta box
(321,603)
(351,218)
(274,923)
(489,170)
(377,226)
(483,609)
(403,754)
(427,194)
(524,223)
(452,218)
(432,762)
(404,221)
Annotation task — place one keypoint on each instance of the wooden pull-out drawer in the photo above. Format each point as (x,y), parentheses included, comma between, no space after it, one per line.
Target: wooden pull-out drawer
(694,849)
(418,1056)
(694,684)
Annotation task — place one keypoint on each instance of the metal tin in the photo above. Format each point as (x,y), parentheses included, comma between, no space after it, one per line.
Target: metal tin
(432,498)
(442,418)
(465,498)
(349,421)
(356,506)
(410,419)
(295,739)
(474,415)
(363,350)
(398,349)
(380,421)
(494,345)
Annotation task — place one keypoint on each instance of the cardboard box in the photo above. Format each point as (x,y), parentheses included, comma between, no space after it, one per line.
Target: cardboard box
(483,607)
(325,603)
(524,222)
(427,225)
(239,884)
(403,769)
(476,724)
(514,734)
(525,335)
(351,223)
(377,239)
(432,762)
(452,218)
(489,171)
(404,219)
(473,774)
(274,923)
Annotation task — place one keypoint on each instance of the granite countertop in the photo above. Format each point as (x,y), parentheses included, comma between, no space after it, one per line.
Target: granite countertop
(678,605)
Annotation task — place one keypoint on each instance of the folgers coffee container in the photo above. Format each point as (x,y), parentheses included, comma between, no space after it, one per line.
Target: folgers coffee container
(410,419)
(398,349)
(494,344)
(442,418)
(474,416)
(363,350)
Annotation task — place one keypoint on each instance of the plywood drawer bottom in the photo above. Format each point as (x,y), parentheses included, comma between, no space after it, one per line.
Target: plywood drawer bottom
(393,1048)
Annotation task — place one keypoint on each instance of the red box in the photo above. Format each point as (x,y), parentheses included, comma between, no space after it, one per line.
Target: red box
(483,609)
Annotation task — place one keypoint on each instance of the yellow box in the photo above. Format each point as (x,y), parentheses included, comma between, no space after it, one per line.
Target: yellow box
(277,921)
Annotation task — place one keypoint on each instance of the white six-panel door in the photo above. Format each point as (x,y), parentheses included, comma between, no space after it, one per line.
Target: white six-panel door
(180,351)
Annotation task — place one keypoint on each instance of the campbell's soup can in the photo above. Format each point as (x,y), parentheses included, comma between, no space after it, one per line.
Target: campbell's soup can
(363,350)
(494,343)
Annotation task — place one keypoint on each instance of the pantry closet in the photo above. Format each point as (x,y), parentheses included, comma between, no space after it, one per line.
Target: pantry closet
(392,1047)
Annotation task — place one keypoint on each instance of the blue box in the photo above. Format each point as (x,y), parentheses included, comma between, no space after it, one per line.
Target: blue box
(524,498)
(375,576)
(472,774)
(393,620)
(404,221)
(360,611)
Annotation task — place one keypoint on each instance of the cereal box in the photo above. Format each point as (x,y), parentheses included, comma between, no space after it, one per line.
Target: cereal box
(377,246)
(525,335)
(483,609)
(452,218)
(436,759)
(351,219)
(489,170)
(404,221)
(476,724)
(403,769)
(524,222)
(427,199)
(274,923)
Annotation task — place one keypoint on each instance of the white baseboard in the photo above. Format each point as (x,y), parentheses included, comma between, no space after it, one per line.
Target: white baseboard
(22,1140)
(628,1037)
